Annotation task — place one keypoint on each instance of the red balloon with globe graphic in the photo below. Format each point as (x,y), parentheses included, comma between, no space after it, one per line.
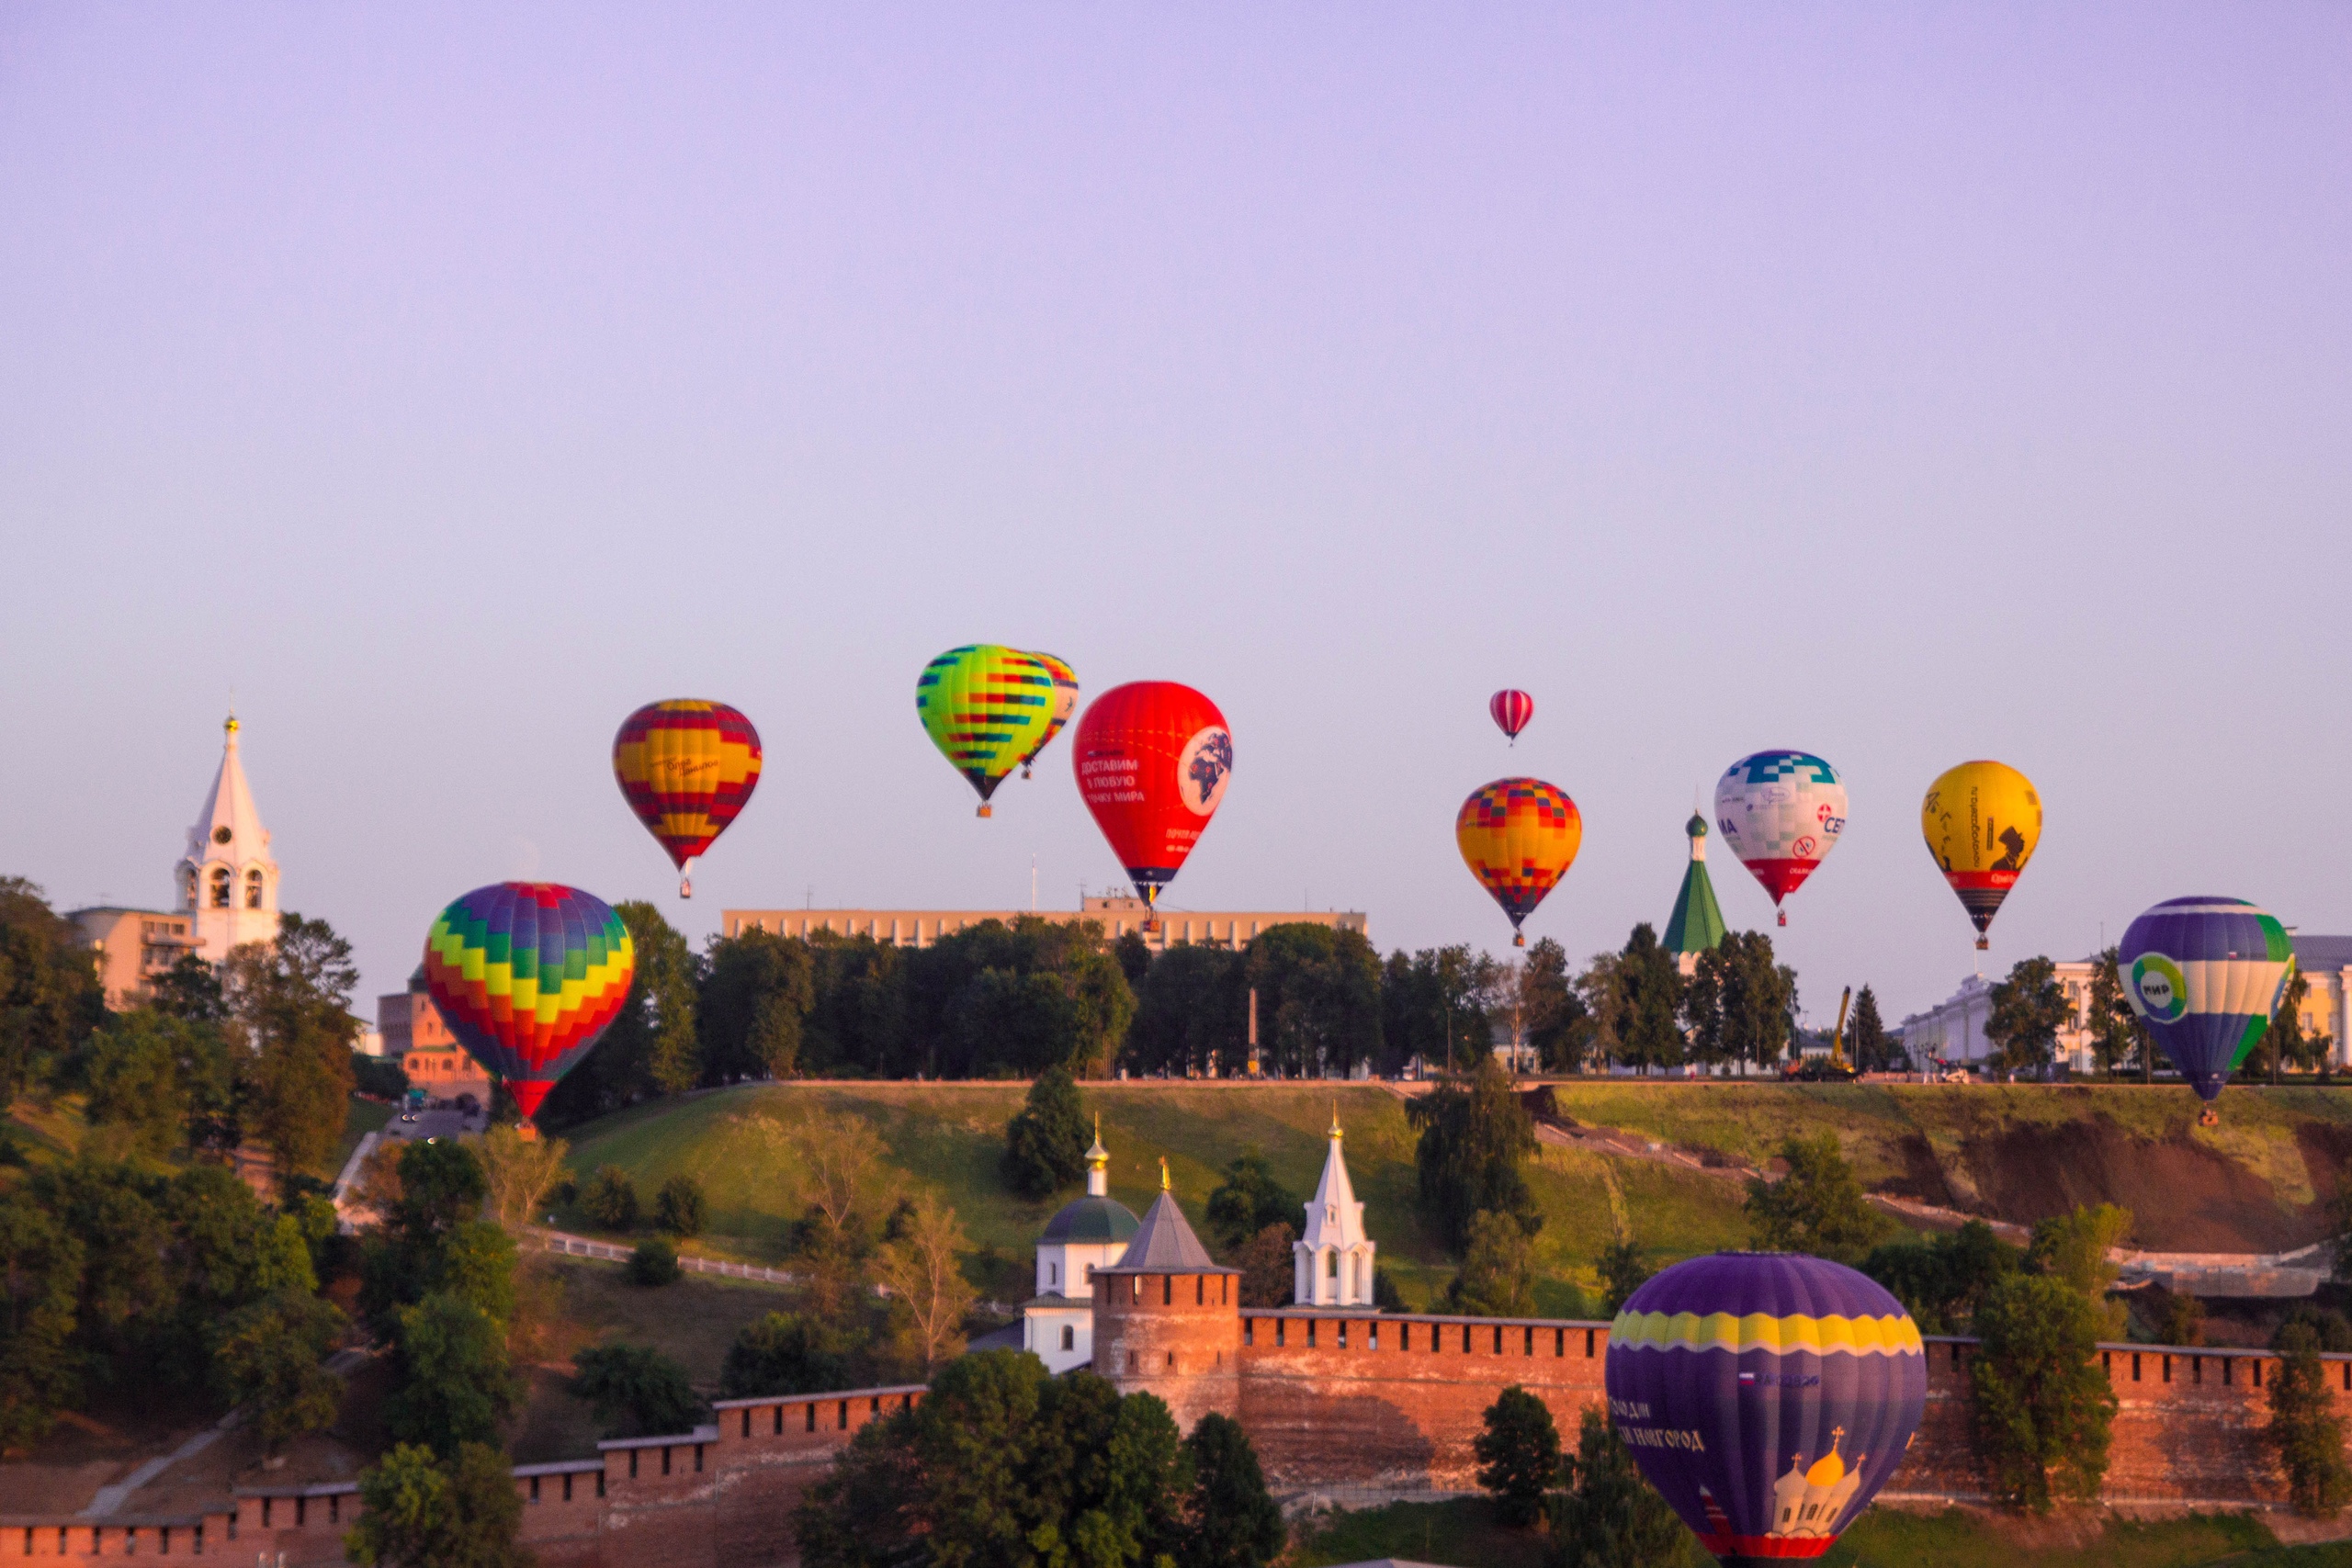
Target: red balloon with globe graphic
(1152,757)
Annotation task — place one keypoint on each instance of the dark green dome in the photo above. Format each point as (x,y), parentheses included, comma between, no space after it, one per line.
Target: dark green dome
(1091,1222)
(1696,827)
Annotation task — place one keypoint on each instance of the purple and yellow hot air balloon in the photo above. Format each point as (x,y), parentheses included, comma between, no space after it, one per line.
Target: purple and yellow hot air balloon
(527,975)
(1766,1395)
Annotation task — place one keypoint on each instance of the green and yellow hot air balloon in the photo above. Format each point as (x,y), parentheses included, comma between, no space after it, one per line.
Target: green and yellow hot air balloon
(985,706)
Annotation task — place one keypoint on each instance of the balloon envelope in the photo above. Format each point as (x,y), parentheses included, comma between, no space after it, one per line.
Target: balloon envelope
(1519,837)
(527,975)
(2205,974)
(1065,704)
(985,707)
(1982,822)
(1781,812)
(1152,758)
(1511,711)
(687,768)
(1766,1395)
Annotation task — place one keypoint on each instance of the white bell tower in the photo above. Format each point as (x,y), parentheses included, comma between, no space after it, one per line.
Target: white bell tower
(1333,1261)
(227,881)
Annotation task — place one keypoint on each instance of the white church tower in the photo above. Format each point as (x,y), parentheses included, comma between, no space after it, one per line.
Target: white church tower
(1333,1259)
(227,879)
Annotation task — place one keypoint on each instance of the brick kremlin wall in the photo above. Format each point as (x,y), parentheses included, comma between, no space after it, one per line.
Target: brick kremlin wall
(1332,1400)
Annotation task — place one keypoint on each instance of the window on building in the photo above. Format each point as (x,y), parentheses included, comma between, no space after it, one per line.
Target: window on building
(1332,1264)
(1054,1275)
(221,887)
(252,890)
(1069,1336)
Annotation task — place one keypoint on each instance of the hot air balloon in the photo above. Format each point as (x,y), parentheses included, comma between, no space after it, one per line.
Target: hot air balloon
(1982,820)
(1781,812)
(1152,758)
(1065,704)
(986,707)
(687,768)
(526,974)
(1511,711)
(2205,974)
(1519,837)
(1766,1395)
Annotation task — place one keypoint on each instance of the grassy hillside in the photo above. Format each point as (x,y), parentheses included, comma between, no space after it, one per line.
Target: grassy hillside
(2253,1183)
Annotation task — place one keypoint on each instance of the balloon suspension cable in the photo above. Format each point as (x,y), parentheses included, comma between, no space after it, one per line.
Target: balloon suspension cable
(985,810)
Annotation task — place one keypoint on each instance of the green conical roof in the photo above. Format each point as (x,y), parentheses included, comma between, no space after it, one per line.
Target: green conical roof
(1697,923)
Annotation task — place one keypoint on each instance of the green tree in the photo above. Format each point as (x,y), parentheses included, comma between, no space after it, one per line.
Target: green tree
(1872,1049)
(1817,1207)
(476,1261)
(2072,1249)
(1433,1006)
(135,1073)
(2029,1009)
(757,993)
(272,1360)
(1191,1013)
(655,1032)
(638,1392)
(1135,958)
(1498,1274)
(1519,1455)
(419,1511)
(610,1199)
(1318,998)
(1231,1520)
(786,1352)
(291,1027)
(1045,1142)
(1649,999)
(50,996)
(1011,1000)
(1269,1267)
(1609,1517)
(2304,1429)
(680,1208)
(2115,1034)
(1623,1270)
(1475,1136)
(455,1383)
(1552,1014)
(1941,1280)
(1740,1004)
(2287,1040)
(1249,1200)
(2040,1404)
(41,1269)
(654,1263)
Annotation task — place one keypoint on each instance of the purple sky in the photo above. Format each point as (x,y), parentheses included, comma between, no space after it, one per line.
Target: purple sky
(1905,384)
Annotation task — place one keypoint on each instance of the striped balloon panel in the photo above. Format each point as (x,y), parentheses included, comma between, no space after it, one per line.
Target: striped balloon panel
(1510,710)
(2204,975)
(1781,812)
(1768,1396)
(1519,837)
(687,768)
(985,707)
(528,975)
(1064,702)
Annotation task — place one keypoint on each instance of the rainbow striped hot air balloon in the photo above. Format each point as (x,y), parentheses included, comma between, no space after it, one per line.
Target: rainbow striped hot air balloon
(687,768)
(2205,974)
(985,706)
(1065,704)
(1766,1395)
(527,975)
(1519,837)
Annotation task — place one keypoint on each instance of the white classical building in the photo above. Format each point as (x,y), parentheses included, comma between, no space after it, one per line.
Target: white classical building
(1953,1029)
(227,881)
(1087,1234)
(1334,1259)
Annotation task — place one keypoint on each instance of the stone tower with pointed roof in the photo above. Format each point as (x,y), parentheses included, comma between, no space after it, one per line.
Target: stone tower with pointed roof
(1166,1317)
(1697,923)
(227,880)
(1333,1258)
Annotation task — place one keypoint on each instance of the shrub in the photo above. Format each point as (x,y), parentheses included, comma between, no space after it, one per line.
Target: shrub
(1045,1146)
(1519,1455)
(1498,1277)
(1609,1514)
(636,1390)
(1623,1270)
(786,1352)
(655,1262)
(1269,1267)
(610,1199)
(679,1208)
(1818,1207)
(1235,1521)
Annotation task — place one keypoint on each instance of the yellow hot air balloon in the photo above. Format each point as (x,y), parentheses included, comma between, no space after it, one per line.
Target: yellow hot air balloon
(1519,837)
(1982,820)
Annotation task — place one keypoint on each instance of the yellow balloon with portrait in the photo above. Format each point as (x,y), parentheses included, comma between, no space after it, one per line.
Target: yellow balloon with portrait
(1982,822)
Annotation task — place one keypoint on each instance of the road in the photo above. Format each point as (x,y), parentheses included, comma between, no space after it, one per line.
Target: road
(435,1125)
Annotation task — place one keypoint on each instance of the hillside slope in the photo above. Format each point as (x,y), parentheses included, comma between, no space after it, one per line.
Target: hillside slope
(2253,1184)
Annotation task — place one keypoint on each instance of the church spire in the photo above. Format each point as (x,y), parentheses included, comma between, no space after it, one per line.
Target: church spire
(1097,1164)
(1697,923)
(1334,1259)
(227,878)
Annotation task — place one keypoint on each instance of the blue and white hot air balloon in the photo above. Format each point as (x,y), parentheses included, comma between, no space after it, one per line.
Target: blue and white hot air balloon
(2205,974)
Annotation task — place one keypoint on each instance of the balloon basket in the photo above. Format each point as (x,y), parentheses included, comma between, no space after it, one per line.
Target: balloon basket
(527,1131)
(2208,1118)
(1984,944)
(1024,770)
(1519,939)
(985,810)
(685,888)
(1784,918)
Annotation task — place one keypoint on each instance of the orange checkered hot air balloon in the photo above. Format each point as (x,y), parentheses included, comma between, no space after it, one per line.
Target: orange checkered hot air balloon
(687,768)
(1519,837)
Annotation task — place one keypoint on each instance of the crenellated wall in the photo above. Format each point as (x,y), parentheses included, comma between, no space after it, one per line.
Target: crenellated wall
(1330,1399)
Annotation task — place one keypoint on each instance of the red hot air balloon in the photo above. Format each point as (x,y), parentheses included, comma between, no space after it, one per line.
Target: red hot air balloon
(1152,759)
(1512,709)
